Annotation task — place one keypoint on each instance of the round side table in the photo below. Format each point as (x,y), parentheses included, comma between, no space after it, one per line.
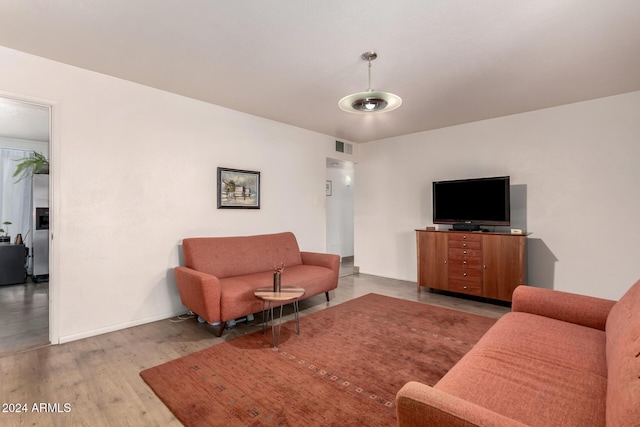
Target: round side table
(286,295)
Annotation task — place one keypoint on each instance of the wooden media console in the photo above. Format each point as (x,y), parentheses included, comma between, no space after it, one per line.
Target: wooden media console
(488,265)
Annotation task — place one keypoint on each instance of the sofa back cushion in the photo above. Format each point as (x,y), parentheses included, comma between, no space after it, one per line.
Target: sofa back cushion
(623,360)
(236,256)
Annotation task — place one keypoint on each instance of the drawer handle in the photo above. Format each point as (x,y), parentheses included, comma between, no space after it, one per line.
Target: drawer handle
(464,245)
(445,261)
(464,274)
(464,262)
(465,287)
(464,252)
(464,237)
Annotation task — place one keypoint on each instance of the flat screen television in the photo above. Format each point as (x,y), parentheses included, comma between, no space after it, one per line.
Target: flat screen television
(469,204)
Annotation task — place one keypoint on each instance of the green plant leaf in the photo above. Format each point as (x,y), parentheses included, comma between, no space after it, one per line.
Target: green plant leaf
(30,165)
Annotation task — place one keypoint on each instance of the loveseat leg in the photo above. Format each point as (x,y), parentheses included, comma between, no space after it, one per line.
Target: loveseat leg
(327,295)
(221,330)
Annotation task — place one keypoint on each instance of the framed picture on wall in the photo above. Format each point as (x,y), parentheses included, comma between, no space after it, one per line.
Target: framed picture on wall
(329,188)
(238,189)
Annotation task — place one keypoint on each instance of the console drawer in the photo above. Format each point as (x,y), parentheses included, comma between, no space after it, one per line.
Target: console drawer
(464,261)
(465,253)
(465,274)
(465,287)
(469,237)
(465,244)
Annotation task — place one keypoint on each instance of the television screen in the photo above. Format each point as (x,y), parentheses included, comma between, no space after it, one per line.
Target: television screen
(480,201)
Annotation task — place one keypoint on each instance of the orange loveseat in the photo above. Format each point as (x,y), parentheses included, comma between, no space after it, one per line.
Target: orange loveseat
(557,359)
(221,273)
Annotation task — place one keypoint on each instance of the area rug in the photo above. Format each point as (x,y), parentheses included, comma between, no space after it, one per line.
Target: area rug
(344,369)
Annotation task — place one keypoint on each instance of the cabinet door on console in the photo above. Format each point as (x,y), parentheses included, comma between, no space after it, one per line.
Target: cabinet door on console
(433,269)
(503,269)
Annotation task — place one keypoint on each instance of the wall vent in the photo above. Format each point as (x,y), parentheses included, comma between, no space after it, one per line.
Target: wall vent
(343,147)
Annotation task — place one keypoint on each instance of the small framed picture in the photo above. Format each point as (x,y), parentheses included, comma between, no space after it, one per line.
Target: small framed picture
(238,189)
(329,188)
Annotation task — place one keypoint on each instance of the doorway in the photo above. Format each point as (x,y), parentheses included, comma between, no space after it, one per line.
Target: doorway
(24,302)
(340,215)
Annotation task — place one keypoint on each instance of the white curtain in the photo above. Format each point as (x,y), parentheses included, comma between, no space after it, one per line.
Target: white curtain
(15,197)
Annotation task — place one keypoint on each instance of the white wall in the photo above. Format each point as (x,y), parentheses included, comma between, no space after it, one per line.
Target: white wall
(134,172)
(340,211)
(579,167)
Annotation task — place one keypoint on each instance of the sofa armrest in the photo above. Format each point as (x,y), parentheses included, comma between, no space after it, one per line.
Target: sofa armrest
(331,261)
(199,292)
(420,405)
(573,308)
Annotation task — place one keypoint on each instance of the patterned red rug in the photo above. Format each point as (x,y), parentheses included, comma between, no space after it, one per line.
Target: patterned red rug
(343,370)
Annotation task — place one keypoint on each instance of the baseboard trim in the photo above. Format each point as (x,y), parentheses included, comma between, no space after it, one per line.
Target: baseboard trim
(113,328)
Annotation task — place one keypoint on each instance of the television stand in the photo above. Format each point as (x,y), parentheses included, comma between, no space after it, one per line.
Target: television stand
(489,265)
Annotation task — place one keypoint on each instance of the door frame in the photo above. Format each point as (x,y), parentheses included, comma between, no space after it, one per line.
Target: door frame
(54,224)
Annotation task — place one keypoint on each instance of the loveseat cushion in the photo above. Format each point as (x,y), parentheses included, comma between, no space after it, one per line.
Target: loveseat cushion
(535,370)
(623,359)
(240,255)
(237,292)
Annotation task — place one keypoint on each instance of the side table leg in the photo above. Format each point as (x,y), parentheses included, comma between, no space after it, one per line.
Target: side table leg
(273,324)
(296,314)
(264,325)
(277,342)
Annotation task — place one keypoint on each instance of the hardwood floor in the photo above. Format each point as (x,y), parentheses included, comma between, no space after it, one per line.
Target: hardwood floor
(24,316)
(99,379)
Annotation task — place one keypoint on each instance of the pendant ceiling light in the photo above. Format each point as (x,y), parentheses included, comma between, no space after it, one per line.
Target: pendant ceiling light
(371,101)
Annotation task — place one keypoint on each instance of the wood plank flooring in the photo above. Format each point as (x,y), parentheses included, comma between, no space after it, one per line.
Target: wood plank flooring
(24,316)
(99,379)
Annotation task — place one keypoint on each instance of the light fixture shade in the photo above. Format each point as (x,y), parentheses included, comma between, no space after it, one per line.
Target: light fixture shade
(370,102)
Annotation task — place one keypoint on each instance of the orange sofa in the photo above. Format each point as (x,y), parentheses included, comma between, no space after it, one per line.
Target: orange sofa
(557,359)
(220,273)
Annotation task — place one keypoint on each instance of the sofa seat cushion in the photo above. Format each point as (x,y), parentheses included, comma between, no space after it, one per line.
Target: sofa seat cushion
(237,292)
(536,370)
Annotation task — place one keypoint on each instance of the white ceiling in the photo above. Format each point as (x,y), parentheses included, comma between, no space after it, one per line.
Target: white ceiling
(451,61)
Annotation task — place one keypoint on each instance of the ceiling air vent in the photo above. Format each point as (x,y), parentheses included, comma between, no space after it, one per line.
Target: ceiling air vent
(342,147)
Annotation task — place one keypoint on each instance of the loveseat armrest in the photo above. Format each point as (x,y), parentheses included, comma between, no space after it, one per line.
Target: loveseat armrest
(573,308)
(331,261)
(418,404)
(199,292)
